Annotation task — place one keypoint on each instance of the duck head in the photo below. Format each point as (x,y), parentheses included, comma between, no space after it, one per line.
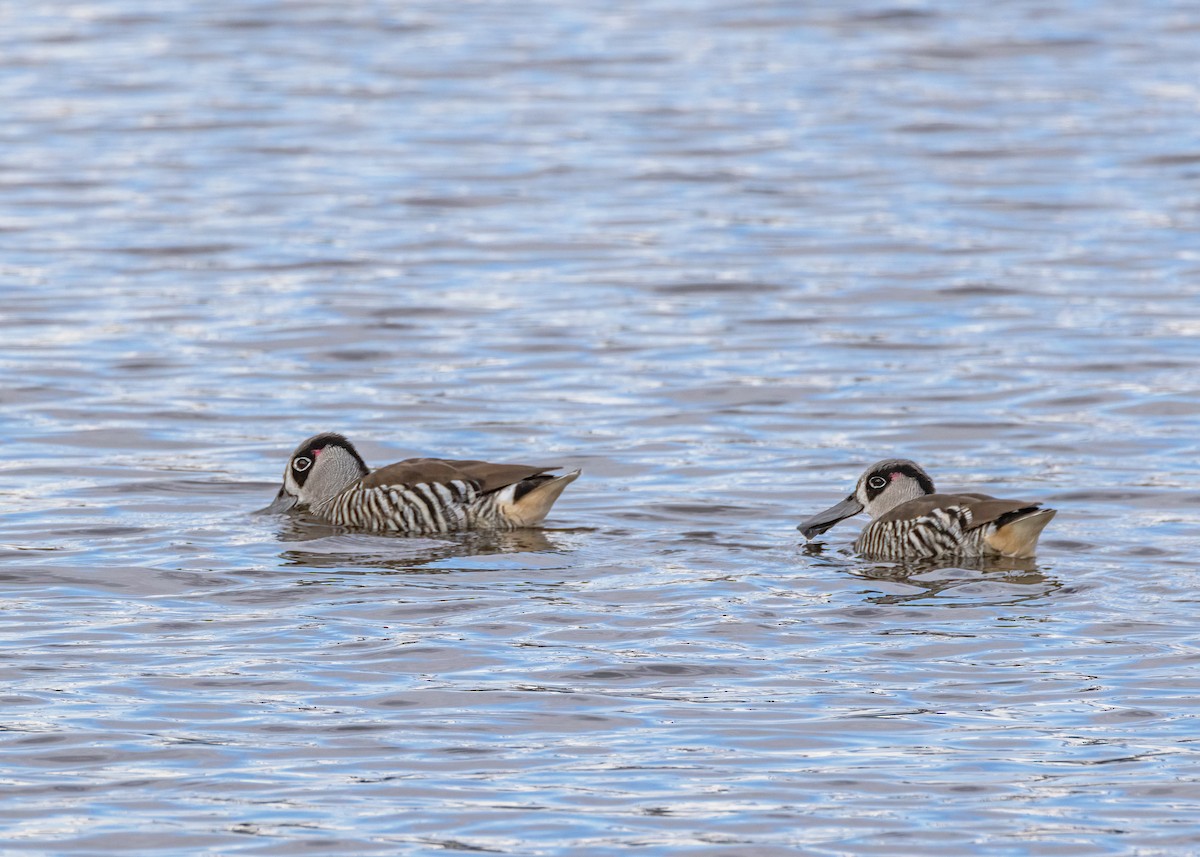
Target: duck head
(883,487)
(320,468)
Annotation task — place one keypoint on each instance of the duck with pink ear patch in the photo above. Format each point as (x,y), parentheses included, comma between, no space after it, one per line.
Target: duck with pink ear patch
(327,478)
(910,520)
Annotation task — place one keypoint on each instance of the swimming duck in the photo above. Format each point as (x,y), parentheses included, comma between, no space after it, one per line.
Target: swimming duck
(910,520)
(327,478)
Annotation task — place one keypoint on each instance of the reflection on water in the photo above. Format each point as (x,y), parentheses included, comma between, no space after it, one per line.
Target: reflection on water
(331,547)
(961,581)
(956,581)
(717,255)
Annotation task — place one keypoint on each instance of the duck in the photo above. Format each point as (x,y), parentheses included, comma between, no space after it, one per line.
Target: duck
(911,520)
(327,479)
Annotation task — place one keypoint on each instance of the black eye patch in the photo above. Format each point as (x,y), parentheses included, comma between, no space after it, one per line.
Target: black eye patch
(876,483)
(301,467)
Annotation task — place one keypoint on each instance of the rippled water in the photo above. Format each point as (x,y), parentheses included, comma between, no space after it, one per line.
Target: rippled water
(719,255)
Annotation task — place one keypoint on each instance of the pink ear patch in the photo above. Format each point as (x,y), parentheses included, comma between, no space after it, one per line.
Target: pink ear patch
(317,452)
(896,475)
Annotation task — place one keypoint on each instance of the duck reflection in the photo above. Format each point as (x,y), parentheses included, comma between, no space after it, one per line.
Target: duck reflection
(996,580)
(975,581)
(319,545)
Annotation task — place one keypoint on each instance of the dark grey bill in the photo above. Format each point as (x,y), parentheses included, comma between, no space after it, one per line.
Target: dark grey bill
(822,521)
(283,502)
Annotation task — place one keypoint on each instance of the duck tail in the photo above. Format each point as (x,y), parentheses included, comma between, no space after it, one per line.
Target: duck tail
(1016,533)
(531,499)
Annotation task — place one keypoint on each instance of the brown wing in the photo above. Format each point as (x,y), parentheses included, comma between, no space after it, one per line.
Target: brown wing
(984,509)
(485,476)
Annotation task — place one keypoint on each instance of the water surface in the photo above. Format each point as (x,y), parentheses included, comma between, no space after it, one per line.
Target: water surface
(720,256)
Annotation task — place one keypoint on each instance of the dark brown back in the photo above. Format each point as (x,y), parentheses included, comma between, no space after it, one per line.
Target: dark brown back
(984,509)
(485,476)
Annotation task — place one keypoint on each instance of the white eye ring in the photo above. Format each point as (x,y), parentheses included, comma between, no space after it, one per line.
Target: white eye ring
(301,464)
(876,482)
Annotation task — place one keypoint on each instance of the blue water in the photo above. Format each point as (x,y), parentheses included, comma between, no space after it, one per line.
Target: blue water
(719,256)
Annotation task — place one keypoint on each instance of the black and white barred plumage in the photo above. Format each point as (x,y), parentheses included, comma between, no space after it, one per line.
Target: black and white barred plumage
(942,531)
(421,508)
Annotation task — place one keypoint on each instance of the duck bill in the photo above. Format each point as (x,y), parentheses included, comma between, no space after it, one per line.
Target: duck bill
(283,502)
(823,521)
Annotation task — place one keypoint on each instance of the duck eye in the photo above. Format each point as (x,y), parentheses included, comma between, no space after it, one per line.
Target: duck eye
(301,464)
(876,482)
